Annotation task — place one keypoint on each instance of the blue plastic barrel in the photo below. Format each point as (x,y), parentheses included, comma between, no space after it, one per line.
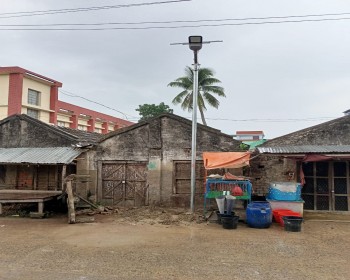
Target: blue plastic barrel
(259,214)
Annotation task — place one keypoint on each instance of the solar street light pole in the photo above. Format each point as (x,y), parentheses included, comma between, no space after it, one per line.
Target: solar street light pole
(195,44)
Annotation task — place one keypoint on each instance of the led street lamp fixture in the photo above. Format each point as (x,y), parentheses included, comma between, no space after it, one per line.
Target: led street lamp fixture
(195,42)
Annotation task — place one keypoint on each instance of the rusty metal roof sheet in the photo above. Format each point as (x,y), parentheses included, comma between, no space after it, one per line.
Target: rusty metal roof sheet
(326,149)
(56,155)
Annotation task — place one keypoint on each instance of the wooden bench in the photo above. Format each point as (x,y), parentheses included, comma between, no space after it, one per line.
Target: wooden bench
(27,196)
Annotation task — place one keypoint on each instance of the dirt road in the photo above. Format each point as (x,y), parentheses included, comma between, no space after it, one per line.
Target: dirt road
(122,247)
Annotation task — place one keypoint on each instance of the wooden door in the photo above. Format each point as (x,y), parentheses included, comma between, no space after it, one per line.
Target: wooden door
(124,183)
(182,177)
(25,177)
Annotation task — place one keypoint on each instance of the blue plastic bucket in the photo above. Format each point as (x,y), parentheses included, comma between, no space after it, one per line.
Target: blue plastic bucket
(259,214)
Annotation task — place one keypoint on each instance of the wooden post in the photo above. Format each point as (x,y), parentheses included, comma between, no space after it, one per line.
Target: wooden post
(71,210)
(64,171)
(69,190)
(41,207)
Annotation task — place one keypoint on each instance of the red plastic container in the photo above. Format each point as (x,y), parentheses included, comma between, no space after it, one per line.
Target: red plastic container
(276,215)
(279,213)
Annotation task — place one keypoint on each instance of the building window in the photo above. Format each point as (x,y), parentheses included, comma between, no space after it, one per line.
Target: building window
(98,130)
(33,97)
(61,123)
(82,127)
(33,113)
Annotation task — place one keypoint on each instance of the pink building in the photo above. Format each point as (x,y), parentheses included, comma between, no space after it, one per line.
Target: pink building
(26,92)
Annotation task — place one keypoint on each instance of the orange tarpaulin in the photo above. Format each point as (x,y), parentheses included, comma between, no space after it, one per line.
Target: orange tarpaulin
(213,160)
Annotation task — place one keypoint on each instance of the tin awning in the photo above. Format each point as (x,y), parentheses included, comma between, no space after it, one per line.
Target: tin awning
(305,149)
(53,155)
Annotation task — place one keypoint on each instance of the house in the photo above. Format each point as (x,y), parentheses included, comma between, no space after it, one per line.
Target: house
(249,136)
(318,156)
(150,162)
(35,157)
(25,92)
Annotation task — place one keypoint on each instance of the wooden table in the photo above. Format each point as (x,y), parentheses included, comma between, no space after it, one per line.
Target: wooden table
(27,196)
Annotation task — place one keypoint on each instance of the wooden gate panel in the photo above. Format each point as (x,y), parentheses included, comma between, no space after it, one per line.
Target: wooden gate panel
(113,171)
(124,183)
(182,177)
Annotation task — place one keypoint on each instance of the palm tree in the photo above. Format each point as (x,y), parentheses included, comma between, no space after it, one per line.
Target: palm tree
(206,89)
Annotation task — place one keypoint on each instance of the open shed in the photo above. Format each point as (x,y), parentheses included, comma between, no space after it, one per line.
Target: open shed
(34,159)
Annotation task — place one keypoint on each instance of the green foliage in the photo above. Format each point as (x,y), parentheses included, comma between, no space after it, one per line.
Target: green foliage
(244,146)
(147,111)
(206,90)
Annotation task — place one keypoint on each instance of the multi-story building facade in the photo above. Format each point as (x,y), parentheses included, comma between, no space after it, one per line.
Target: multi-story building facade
(26,92)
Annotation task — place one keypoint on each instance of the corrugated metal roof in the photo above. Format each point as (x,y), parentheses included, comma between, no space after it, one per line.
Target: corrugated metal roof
(305,149)
(56,155)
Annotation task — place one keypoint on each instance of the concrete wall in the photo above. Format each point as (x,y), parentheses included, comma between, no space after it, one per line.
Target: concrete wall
(4,89)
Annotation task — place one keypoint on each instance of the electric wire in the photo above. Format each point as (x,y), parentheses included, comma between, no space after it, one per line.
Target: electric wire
(179,21)
(174,27)
(273,120)
(65,92)
(134,118)
(84,9)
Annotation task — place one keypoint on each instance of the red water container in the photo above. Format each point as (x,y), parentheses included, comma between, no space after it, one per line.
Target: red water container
(279,213)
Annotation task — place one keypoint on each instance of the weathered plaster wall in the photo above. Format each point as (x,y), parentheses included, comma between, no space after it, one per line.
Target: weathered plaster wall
(20,133)
(265,169)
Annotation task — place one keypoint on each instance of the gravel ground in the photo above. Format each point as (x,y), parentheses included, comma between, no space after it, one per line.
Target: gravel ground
(169,244)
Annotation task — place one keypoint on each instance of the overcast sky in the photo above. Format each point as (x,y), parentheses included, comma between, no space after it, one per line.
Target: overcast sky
(276,76)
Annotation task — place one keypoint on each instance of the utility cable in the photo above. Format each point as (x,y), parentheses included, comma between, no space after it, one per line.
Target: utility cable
(174,27)
(84,9)
(92,101)
(179,21)
(272,120)
(133,118)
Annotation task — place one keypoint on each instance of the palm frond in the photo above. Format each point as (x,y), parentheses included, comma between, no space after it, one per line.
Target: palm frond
(187,103)
(211,100)
(178,98)
(210,81)
(214,89)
